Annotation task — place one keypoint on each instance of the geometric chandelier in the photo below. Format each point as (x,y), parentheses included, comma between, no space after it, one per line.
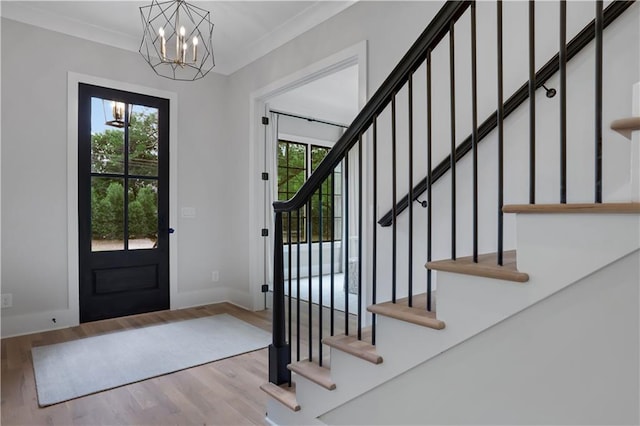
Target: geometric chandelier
(177,39)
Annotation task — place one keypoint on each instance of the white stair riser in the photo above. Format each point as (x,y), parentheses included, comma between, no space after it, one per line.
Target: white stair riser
(556,250)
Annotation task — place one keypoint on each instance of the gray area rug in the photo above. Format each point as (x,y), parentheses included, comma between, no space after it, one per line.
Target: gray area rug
(81,367)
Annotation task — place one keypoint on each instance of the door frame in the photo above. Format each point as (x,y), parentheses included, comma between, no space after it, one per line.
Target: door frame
(355,54)
(73,264)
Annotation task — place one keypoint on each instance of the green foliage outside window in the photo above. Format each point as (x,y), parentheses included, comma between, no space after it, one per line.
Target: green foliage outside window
(293,159)
(107,193)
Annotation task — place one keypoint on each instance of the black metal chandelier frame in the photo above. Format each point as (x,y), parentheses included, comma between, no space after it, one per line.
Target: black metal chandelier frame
(183,25)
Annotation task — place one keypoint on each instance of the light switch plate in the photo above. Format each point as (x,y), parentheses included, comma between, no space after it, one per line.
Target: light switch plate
(189,212)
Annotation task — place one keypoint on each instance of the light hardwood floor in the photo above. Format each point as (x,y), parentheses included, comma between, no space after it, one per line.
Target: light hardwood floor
(224,392)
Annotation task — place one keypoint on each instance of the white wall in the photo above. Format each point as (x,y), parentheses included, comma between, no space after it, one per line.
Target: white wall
(35,63)
(387,42)
(570,359)
(621,70)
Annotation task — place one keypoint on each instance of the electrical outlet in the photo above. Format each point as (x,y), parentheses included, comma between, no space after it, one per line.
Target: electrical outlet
(7,300)
(215,276)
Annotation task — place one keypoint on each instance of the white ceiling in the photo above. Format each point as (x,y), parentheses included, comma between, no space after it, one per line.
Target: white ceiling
(243,30)
(332,98)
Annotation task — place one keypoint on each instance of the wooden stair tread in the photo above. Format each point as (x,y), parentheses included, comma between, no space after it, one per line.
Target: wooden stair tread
(401,311)
(625,126)
(314,372)
(487,266)
(284,393)
(420,302)
(614,208)
(358,348)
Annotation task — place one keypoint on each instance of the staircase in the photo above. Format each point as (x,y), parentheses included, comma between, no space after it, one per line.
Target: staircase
(330,367)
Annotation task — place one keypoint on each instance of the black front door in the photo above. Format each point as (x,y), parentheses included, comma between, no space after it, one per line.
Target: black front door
(123,202)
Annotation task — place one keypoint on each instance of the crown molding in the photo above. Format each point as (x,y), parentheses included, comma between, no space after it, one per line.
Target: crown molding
(316,13)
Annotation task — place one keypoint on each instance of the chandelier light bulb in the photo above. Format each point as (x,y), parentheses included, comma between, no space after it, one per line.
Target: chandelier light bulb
(195,49)
(163,44)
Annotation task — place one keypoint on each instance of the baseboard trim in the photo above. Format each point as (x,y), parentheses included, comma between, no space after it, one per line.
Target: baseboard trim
(38,322)
(20,325)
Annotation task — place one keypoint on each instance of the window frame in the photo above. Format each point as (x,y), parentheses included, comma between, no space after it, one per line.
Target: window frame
(309,143)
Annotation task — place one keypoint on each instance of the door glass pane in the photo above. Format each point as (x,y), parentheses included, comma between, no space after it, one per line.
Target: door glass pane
(107,214)
(143,214)
(107,136)
(143,141)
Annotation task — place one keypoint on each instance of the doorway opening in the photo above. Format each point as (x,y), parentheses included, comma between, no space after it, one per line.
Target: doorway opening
(307,113)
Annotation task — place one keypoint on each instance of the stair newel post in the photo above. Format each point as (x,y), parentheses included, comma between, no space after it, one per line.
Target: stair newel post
(279,353)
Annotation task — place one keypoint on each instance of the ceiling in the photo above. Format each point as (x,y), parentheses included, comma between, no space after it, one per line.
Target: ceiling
(332,98)
(244,30)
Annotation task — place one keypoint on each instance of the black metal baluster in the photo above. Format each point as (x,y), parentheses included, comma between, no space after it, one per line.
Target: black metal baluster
(598,119)
(410,143)
(374,234)
(393,198)
(474,132)
(563,101)
(298,232)
(532,100)
(359,237)
(279,352)
(309,278)
(452,164)
(429,175)
(289,257)
(500,118)
(333,238)
(320,322)
(345,221)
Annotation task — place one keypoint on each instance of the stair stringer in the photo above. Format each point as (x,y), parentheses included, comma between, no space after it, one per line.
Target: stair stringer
(571,358)
(556,250)
(355,376)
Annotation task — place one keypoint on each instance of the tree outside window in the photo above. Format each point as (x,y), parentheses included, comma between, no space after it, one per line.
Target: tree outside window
(294,160)
(107,181)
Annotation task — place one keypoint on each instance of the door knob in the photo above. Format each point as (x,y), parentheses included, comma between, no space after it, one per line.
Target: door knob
(171,230)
